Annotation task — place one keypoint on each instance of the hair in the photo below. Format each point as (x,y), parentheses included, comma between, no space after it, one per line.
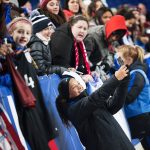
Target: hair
(61,105)
(129,15)
(135,52)
(73,20)
(99,13)
(60,18)
(91,10)
(12,25)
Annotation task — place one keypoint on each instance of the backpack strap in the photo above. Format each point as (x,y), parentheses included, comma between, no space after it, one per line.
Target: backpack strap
(142,73)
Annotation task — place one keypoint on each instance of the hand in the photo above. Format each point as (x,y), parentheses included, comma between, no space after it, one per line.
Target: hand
(87,78)
(122,72)
(95,74)
(5,49)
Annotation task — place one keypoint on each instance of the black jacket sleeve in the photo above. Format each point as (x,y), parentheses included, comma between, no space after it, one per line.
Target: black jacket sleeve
(56,69)
(39,54)
(136,84)
(86,106)
(61,48)
(116,102)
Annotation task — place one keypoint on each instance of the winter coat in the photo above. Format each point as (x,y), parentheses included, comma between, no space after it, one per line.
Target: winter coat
(62,49)
(135,104)
(93,117)
(97,46)
(42,56)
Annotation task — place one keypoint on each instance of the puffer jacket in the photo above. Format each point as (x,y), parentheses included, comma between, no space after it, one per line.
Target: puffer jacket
(42,56)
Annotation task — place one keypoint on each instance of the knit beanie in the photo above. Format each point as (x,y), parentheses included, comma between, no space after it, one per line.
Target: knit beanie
(40,22)
(63,88)
(43,3)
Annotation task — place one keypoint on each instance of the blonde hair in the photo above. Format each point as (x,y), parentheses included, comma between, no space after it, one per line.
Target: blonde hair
(135,52)
(12,25)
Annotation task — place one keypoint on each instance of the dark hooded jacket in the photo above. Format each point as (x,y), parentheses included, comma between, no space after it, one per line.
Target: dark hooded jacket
(42,56)
(93,117)
(62,49)
(96,42)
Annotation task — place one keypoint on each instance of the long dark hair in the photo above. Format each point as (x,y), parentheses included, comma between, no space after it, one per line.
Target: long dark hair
(91,10)
(62,106)
(99,13)
(59,19)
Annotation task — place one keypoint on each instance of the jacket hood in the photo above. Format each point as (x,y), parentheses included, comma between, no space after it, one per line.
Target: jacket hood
(117,22)
(138,65)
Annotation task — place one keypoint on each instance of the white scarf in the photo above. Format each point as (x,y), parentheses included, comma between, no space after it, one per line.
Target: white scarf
(44,40)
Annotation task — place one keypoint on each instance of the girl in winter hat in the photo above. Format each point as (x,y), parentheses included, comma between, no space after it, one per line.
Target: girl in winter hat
(21,30)
(43,28)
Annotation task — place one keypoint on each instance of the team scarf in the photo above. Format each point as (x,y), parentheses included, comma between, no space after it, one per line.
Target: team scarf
(84,55)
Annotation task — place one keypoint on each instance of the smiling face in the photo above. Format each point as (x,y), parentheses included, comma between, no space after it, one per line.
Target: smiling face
(75,88)
(47,32)
(79,30)
(53,6)
(22,33)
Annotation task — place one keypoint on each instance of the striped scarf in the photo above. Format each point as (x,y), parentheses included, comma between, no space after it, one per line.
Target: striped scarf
(84,55)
